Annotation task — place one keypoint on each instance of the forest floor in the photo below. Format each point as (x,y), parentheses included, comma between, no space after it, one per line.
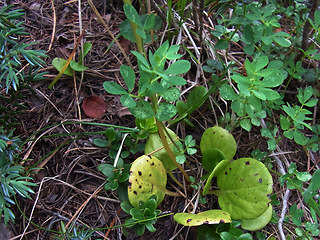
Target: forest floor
(69,186)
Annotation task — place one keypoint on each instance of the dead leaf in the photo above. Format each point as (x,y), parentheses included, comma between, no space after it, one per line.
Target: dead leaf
(94,107)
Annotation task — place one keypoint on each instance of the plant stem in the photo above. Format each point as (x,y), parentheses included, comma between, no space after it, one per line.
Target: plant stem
(174,179)
(170,153)
(134,28)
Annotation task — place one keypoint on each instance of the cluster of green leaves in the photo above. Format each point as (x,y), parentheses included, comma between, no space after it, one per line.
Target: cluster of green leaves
(296,180)
(14,54)
(142,217)
(154,81)
(115,175)
(224,231)
(255,93)
(11,175)
(296,118)
(144,24)
(112,141)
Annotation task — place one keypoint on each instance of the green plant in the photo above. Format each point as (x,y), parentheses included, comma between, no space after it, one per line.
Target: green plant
(59,63)
(142,216)
(255,94)
(11,175)
(76,233)
(17,61)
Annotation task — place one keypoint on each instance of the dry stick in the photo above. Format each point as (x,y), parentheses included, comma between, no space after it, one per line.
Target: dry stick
(54,25)
(82,72)
(33,207)
(306,32)
(112,224)
(286,195)
(109,32)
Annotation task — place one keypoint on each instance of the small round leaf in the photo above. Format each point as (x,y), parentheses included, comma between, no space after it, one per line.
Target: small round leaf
(147,177)
(218,138)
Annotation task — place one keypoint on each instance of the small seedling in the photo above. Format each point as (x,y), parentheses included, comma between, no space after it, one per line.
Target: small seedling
(142,216)
(59,63)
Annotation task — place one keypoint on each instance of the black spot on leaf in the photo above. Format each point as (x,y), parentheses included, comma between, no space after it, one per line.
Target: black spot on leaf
(189,220)
(225,173)
(206,222)
(140,173)
(260,180)
(135,192)
(247,163)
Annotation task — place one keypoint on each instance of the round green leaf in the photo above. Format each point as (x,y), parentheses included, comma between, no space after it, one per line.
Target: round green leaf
(207,217)
(211,157)
(218,138)
(154,143)
(259,222)
(244,187)
(58,63)
(147,177)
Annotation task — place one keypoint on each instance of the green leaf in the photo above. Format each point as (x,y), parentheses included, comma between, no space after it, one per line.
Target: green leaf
(222,44)
(281,39)
(58,63)
(211,157)
(154,144)
(129,76)
(165,111)
(244,187)
(261,63)
(147,177)
(77,66)
(172,94)
(299,137)
(142,110)
(86,48)
(296,214)
(246,124)
(227,92)
(313,187)
(127,101)
(259,222)
(207,217)
(113,88)
(303,176)
(175,81)
(106,169)
(126,207)
(142,59)
(178,67)
(100,142)
(132,14)
(311,103)
(248,34)
(218,138)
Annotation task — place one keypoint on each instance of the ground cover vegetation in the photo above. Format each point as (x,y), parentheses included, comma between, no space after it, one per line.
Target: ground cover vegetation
(159,119)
